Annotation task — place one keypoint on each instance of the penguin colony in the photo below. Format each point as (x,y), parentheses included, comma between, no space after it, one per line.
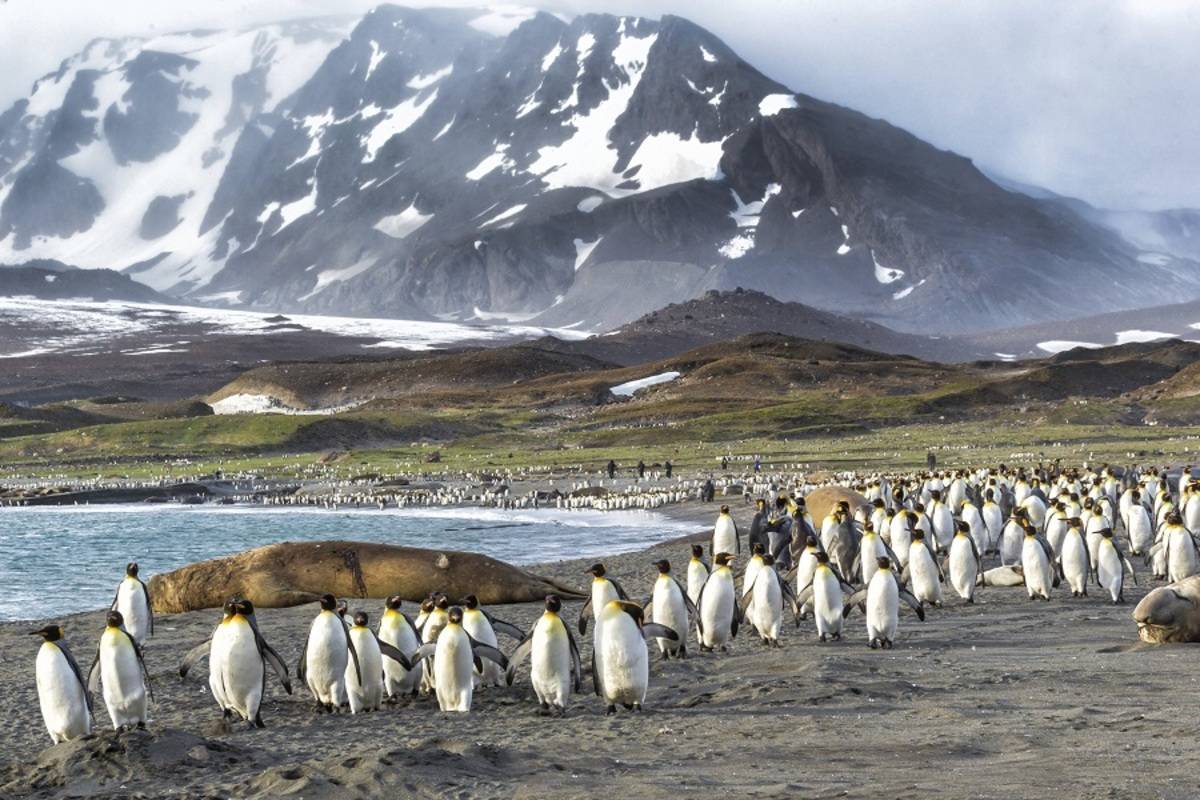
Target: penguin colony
(917,539)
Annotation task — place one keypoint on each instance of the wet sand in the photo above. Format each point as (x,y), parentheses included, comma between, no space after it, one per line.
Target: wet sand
(1003,699)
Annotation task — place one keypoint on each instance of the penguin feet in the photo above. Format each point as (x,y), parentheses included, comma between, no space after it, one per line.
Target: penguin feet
(874,644)
(637,708)
(612,709)
(887,644)
(226,713)
(258,722)
(629,706)
(141,726)
(837,637)
(821,638)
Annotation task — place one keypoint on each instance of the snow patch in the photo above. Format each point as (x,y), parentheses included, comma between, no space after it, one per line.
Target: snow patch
(399,226)
(510,212)
(627,389)
(583,250)
(425,81)
(746,215)
(707,56)
(377,55)
(396,121)
(445,128)
(497,160)
(1062,345)
(666,158)
(552,56)
(1157,259)
(328,277)
(905,292)
(772,104)
(267,404)
(1134,335)
(502,20)
(885,275)
(589,204)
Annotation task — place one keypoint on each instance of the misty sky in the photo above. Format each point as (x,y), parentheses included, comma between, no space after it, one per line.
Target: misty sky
(1093,98)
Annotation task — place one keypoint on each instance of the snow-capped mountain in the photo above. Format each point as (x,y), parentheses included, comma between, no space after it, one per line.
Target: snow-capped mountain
(512,164)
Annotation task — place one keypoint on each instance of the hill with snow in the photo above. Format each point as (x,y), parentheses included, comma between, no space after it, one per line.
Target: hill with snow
(461,165)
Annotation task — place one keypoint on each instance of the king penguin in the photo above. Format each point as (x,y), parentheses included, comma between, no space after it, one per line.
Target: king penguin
(65,700)
(554,668)
(121,669)
(327,652)
(456,656)
(237,663)
(718,619)
(133,601)
(396,629)
(670,606)
(621,662)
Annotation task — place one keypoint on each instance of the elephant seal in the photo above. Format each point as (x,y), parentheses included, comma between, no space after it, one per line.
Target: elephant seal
(1170,613)
(293,573)
(821,501)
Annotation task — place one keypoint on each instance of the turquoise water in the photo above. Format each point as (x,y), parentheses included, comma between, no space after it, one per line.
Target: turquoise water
(60,560)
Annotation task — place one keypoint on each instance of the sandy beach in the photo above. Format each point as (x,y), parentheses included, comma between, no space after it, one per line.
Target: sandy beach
(1003,699)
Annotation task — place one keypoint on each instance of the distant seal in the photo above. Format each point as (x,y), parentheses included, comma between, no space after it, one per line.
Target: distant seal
(1170,613)
(294,573)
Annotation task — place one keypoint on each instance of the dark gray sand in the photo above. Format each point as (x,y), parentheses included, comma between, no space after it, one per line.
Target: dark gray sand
(1004,699)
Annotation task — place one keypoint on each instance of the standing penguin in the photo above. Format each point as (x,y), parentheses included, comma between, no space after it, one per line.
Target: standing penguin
(364,679)
(993,520)
(65,700)
(396,629)
(825,593)
(765,601)
(1037,565)
(883,595)
(697,573)
(327,651)
(1182,553)
(554,668)
(718,619)
(133,601)
(670,606)
(620,661)
(924,570)
(725,538)
(237,663)
(483,628)
(964,563)
(604,589)
(1111,565)
(1076,561)
(120,667)
(750,573)
(455,658)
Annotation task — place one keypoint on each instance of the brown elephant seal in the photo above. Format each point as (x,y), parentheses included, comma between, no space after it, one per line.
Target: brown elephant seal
(293,573)
(821,501)
(1170,613)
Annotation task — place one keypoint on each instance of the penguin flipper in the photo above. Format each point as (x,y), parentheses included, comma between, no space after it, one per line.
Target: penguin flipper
(576,663)
(620,589)
(654,630)
(1126,565)
(914,603)
(508,629)
(519,655)
(487,651)
(805,596)
(74,665)
(141,657)
(597,685)
(687,601)
(393,652)
(149,607)
(423,652)
(302,664)
(353,653)
(269,656)
(194,655)
(583,615)
(93,678)
(853,600)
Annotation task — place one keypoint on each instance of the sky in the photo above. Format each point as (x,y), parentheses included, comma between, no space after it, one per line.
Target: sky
(1096,99)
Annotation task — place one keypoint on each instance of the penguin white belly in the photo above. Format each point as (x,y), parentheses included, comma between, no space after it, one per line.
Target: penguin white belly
(724,536)
(716,610)
(241,672)
(669,609)
(1056,531)
(1093,540)
(453,671)
(964,569)
(1010,544)
(993,520)
(829,529)
(900,538)
(1181,556)
(1191,515)
(696,577)
(869,551)
(1036,568)
(883,608)
(1075,563)
(60,694)
(121,677)
(550,662)
(805,570)
(767,607)
(827,604)
(394,630)
(624,663)
(748,577)
(326,659)
(131,602)
(943,526)
(1108,570)
(924,574)
(365,696)
(978,530)
(602,592)
(218,653)
(477,625)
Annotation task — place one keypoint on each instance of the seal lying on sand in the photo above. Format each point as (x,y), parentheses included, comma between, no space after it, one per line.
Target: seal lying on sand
(293,573)
(1170,613)
(822,501)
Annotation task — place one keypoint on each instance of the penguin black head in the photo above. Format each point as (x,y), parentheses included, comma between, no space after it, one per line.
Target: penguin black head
(1106,533)
(724,509)
(342,608)
(884,562)
(360,619)
(664,566)
(230,607)
(471,601)
(800,502)
(328,602)
(1174,519)
(768,560)
(114,619)
(757,549)
(723,559)
(245,608)
(962,527)
(877,502)
(918,534)
(455,615)
(393,602)
(761,503)
(596,570)
(822,557)
(1075,522)
(131,569)
(50,633)
(843,506)
(811,541)
(442,602)
(427,605)
(697,551)
(936,494)
(553,603)
(869,526)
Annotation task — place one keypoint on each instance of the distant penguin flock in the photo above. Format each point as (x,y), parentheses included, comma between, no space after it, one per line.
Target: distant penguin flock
(909,542)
